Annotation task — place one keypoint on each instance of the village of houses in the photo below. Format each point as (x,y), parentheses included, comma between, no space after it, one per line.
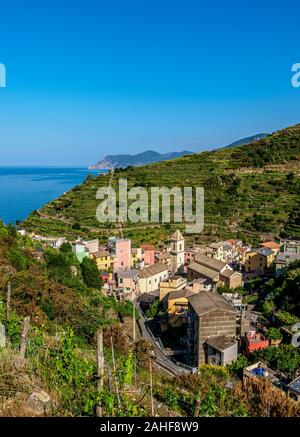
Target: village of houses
(196,323)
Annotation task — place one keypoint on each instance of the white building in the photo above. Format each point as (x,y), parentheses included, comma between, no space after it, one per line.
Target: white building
(151,276)
(177,252)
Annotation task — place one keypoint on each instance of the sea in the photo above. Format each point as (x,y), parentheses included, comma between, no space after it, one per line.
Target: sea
(24,189)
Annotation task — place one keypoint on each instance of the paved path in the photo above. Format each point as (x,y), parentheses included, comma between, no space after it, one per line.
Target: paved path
(161,359)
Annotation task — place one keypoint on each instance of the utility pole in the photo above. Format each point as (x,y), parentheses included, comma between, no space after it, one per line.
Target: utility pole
(100,368)
(134,322)
(134,339)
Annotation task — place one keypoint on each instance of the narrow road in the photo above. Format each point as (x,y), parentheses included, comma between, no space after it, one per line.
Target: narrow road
(161,359)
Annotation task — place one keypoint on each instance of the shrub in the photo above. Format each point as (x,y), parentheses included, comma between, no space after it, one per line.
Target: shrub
(286,318)
(274,334)
(90,273)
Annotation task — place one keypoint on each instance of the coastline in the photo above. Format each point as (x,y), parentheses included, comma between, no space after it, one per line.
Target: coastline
(24,189)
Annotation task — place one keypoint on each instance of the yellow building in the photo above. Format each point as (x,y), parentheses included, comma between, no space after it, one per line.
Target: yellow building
(174,283)
(216,251)
(257,260)
(136,256)
(104,260)
(178,307)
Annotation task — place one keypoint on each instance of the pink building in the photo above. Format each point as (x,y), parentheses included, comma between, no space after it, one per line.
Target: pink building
(189,254)
(123,254)
(148,254)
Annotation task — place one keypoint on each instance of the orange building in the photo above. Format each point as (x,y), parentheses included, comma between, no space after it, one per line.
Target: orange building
(255,342)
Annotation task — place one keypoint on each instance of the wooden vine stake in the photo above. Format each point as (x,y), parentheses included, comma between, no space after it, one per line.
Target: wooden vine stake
(8,297)
(100,368)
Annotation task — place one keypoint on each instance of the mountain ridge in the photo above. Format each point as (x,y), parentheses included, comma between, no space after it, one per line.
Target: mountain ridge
(247,140)
(143,158)
(151,156)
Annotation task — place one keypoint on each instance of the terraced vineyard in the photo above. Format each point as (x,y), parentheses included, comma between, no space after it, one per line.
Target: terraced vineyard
(250,192)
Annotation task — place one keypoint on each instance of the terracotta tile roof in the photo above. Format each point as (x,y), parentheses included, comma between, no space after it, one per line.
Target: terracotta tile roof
(146,246)
(271,245)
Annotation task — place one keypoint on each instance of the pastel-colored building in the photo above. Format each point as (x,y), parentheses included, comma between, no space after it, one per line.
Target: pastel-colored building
(222,250)
(55,242)
(79,250)
(92,245)
(255,341)
(174,283)
(163,257)
(128,281)
(107,277)
(239,255)
(189,254)
(216,272)
(283,259)
(290,245)
(258,260)
(104,260)
(148,254)
(217,250)
(122,254)
(151,276)
(177,307)
(136,256)
(271,245)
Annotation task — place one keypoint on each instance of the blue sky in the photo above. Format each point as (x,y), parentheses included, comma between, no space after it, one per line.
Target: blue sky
(91,78)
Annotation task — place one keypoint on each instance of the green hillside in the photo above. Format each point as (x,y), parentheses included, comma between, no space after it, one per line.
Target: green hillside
(250,191)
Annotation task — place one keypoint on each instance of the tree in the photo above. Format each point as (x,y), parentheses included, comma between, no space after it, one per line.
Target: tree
(236,368)
(66,248)
(89,177)
(153,309)
(268,307)
(90,273)
(285,358)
